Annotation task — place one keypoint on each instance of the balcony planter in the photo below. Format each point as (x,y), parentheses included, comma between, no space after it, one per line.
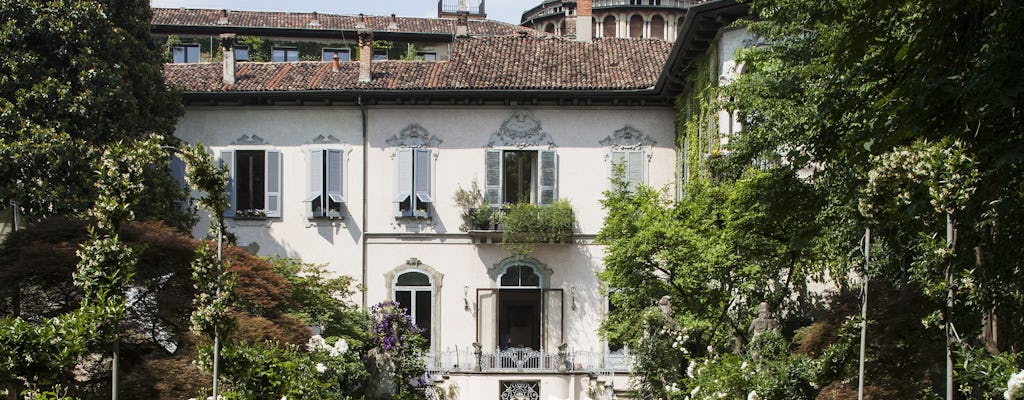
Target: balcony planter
(520,226)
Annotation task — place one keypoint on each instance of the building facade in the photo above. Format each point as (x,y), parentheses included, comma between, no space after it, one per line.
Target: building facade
(651,19)
(355,165)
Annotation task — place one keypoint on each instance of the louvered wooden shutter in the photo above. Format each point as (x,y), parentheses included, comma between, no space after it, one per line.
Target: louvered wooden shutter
(316,176)
(635,169)
(492,179)
(335,165)
(273,180)
(618,158)
(422,172)
(548,177)
(403,180)
(227,158)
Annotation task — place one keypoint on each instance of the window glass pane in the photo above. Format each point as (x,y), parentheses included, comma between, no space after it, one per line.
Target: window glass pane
(413,279)
(380,55)
(292,55)
(250,185)
(178,54)
(429,56)
(192,54)
(520,171)
(277,55)
(242,53)
(511,277)
(422,314)
(404,299)
(343,54)
(529,278)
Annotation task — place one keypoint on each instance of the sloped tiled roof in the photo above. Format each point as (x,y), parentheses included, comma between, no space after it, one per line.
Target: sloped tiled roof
(477,63)
(191,17)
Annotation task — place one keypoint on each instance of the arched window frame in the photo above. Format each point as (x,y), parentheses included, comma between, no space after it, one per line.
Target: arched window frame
(499,269)
(436,278)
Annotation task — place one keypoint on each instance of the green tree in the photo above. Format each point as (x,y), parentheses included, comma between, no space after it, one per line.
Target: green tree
(76,76)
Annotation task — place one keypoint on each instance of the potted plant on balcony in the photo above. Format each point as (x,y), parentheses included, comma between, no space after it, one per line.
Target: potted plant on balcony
(476,213)
(525,224)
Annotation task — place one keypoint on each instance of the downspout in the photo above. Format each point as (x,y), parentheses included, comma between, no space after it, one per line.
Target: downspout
(366,145)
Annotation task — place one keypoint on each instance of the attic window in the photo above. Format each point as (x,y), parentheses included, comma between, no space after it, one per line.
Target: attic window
(241,53)
(343,54)
(427,55)
(380,54)
(185,53)
(284,54)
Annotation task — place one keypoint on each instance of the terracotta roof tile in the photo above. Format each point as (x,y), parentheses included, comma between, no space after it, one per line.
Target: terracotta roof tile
(479,63)
(191,17)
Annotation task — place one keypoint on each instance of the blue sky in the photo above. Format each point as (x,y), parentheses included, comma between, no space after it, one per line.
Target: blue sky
(501,10)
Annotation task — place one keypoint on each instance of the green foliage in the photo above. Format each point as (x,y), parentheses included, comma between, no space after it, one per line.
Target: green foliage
(395,357)
(524,224)
(322,300)
(476,213)
(984,376)
(272,370)
(76,77)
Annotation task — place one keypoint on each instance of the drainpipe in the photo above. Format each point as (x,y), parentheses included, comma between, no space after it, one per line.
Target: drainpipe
(366,163)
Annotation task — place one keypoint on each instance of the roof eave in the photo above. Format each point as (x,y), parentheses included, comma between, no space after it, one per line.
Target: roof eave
(690,44)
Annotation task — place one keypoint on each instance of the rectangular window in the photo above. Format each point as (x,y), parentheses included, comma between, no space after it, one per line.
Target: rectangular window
(428,55)
(325,183)
(185,53)
(284,54)
(413,183)
(380,54)
(254,186)
(521,176)
(632,162)
(343,54)
(241,53)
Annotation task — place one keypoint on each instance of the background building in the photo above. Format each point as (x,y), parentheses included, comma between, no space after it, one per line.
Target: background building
(653,19)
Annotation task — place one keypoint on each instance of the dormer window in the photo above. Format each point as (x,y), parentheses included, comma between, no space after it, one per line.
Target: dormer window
(185,53)
(241,53)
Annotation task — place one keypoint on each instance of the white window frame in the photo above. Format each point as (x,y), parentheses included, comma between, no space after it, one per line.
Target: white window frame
(410,186)
(269,195)
(286,50)
(335,50)
(318,182)
(412,296)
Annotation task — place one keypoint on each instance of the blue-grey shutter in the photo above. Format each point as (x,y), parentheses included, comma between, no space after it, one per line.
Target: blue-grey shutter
(177,169)
(548,177)
(403,179)
(316,178)
(273,179)
(422,174)
(635,169)
(492,178)
(227,158)
(334,172)
(618,158)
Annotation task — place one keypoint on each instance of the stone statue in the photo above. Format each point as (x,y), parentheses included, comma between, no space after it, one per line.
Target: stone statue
(764,321)
(665,305)
(382,383)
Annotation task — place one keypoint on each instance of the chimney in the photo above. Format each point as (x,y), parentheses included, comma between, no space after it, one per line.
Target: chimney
(393,23)
(336,64)
(365,55)
(584,20)
(223,20)
(462,24)
(362,22)
(316,19)
(227,41)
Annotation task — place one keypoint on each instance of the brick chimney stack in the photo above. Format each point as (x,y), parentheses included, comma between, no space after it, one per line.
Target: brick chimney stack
(584,20)
(365,55)
(336,63)
(227,41)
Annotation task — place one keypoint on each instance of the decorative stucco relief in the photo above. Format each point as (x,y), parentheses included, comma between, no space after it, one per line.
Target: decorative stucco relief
(330,139)
(627,138)
(412,264)
(521,130)
(414,136)
(249,140)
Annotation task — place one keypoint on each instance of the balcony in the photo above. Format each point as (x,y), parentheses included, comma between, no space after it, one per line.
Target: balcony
(518,225)
(520,360)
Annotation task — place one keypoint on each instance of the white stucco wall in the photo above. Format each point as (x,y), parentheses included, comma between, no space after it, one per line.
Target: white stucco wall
(583,173)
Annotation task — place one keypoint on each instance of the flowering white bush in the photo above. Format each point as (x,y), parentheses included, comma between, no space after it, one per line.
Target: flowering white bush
(1015,387)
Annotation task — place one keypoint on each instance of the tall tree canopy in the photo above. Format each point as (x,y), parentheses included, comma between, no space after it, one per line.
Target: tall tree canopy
(74,76)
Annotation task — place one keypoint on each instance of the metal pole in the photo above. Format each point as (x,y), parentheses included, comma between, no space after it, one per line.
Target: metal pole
(216,331)
(116,369)
(949,309)
(864,314)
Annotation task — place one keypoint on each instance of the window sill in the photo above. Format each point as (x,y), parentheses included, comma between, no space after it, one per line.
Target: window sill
(248,218)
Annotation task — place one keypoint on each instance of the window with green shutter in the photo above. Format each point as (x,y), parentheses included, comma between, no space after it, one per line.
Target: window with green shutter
(521,176)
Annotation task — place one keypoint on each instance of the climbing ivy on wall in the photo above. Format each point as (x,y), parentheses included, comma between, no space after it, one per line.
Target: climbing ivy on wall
(695,121)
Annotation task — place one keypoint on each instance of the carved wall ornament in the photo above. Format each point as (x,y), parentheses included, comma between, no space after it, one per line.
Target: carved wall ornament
(413,264)
(497,270)
(414,136)
(627,138)
(521,130)
(320,139)
(249,140)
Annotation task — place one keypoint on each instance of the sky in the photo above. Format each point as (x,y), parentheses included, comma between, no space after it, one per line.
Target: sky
(502,10)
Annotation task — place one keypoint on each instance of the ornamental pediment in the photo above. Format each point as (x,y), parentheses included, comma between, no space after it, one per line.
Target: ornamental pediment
(521,130)
(627,138)
(414,136)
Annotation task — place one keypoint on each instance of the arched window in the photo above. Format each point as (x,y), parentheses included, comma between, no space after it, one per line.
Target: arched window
(549,28)
(520,276)
(636,26)
(609,26)
(658,27)
(415,293)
